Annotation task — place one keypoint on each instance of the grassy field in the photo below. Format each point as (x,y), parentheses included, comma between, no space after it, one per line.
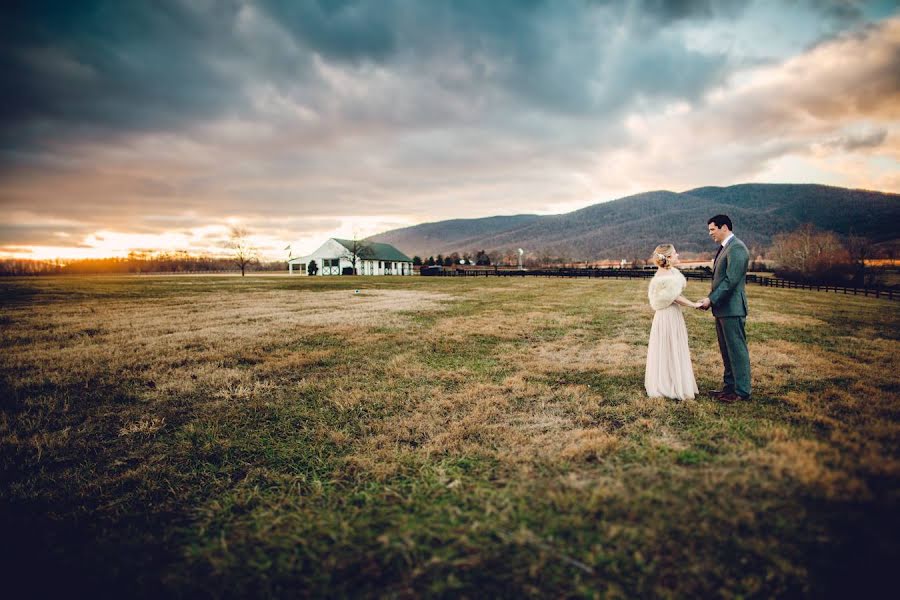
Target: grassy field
(277,436)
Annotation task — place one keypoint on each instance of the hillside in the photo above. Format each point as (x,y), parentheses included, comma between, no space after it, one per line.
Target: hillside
(631,227)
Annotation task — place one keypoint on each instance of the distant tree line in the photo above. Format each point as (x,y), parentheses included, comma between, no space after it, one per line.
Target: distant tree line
(480,258)
(241,255)
(135,262)
(808,255)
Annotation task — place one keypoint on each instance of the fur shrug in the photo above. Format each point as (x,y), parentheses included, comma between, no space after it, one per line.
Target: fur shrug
(665,287)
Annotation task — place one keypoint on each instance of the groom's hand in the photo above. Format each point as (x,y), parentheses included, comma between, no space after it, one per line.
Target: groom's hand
(705,304)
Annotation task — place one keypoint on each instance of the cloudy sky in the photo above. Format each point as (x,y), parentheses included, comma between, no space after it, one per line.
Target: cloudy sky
(159,124)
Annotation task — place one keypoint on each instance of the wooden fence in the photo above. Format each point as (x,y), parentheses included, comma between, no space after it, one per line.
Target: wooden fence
(887,293)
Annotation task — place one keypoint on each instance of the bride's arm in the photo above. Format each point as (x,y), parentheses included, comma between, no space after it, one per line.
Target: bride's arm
(685,302)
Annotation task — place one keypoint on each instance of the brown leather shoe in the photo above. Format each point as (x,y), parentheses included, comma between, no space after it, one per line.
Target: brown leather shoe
(728,398)
(717,393)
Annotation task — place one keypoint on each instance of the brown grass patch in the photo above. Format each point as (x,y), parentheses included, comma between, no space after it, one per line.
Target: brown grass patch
(516,422)
(145,426)
(787,320)
(785,362)
(580,351)
(587,444)
(809,462)
(505,325)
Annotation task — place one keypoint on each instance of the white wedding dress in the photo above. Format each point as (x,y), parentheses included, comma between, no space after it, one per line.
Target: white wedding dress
(669,371)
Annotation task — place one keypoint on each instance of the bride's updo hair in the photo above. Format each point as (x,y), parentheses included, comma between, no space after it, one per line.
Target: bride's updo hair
(661,255)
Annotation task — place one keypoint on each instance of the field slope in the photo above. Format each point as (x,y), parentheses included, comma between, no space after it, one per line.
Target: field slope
(276,436)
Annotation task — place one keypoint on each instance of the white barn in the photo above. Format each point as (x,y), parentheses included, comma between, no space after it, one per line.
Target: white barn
(336,255)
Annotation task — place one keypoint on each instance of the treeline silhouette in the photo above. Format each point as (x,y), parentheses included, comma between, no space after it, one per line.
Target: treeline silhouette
(175,262)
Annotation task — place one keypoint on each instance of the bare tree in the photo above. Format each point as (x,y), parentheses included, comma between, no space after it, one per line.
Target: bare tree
(809,252)
(243,253)
(356,248)
(860,250)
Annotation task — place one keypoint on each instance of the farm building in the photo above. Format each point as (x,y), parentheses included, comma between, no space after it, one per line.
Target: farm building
(335,257)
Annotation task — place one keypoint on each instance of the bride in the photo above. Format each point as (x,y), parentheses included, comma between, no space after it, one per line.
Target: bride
(669,371)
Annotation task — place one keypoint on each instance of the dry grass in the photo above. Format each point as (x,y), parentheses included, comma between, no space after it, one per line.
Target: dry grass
(447,437)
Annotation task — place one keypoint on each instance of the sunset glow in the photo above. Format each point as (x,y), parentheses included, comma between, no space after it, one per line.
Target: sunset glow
(210,240)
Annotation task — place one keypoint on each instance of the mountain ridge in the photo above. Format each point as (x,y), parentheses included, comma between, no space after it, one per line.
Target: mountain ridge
(630,227)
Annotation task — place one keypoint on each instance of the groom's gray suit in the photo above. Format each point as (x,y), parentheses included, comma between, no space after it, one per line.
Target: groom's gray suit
(729,306)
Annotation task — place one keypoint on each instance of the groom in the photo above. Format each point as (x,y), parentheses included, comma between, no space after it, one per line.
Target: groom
(729,305)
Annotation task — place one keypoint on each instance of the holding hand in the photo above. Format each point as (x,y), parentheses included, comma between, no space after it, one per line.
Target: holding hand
(705,304)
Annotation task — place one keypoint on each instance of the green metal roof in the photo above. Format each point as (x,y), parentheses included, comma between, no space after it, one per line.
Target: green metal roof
(375,250)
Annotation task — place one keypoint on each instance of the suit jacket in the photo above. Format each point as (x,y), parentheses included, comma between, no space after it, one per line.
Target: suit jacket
(728,297)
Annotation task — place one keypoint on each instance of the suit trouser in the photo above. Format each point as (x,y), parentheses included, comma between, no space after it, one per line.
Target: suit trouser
(735,356)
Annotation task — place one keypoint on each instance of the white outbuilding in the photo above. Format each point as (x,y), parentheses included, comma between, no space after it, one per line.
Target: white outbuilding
(335,257)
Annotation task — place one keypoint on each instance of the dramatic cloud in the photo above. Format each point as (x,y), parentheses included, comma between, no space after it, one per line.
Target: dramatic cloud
(841,96)
(308,118)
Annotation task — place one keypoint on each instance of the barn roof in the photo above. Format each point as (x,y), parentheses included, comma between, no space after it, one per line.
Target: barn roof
(375,250)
